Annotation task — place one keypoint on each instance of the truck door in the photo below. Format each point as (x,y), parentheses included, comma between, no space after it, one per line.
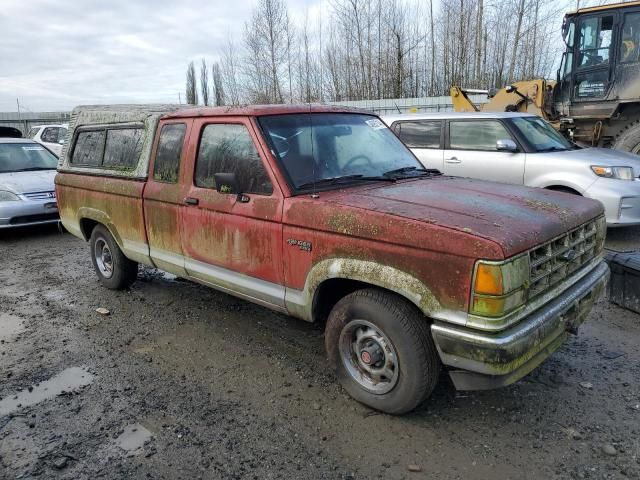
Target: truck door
(594,62)
(472,152)
(163,196)
(628,67)
(230,241)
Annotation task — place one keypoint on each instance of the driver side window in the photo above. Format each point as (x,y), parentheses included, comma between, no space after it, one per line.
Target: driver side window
(476,134)
(229,148)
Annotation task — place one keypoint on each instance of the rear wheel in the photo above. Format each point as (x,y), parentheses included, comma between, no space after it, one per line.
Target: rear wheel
(381,349)
(114,270)
(629,139)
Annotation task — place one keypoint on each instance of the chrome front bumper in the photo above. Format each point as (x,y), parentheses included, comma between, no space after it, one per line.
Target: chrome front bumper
(481,360)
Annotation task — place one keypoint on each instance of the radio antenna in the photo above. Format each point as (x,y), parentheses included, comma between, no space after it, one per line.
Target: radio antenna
(314,194)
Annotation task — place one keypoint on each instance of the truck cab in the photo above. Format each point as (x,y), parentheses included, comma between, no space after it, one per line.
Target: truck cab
(323,214)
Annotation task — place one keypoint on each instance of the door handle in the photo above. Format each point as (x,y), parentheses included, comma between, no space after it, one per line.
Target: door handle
(453,160)
(191,201)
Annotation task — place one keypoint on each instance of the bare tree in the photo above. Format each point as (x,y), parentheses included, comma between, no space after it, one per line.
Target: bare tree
(387,49)
(218,88)
(267,40)
(229,72)
(204,82)
(192,88)
(514,46)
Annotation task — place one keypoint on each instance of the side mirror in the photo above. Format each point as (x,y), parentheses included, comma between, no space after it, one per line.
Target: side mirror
(510,88)
(506,145)
(228,183)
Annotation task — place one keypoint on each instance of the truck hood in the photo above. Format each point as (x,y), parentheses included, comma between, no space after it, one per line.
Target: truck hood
(598,156)
(516,218)
(28,182)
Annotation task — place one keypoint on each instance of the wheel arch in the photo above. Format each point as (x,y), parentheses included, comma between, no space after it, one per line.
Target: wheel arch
(563,188)
(89,218)
(579,183)
(330,280)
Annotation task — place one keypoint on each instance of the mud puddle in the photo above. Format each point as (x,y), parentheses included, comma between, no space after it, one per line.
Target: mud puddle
(133,439)
(68,380)
(10,325)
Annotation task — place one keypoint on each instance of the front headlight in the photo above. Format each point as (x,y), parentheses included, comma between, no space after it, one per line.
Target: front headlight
(499,287)
(8,196)
(621,173)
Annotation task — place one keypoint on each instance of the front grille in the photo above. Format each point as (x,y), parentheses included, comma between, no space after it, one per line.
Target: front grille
(40,195)
(43,217)
(557,259)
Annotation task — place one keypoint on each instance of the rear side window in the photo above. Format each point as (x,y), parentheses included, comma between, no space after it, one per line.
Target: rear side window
(89,148)
(477,134)
(167,164)
(123,149)
(229,148)
(118,148)
(419,134)
(50,135)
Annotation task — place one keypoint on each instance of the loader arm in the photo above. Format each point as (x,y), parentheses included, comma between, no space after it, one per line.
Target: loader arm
(460,100)
(528,97)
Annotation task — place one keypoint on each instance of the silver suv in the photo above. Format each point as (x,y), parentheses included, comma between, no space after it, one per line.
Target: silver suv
(523,149)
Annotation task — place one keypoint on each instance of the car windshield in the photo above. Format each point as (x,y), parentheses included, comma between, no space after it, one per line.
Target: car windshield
(542,136)
(23,157)
(332,148)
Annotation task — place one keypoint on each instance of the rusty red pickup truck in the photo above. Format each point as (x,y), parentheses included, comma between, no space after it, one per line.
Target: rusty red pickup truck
(323,214)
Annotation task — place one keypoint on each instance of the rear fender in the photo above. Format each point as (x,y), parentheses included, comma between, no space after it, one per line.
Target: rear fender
(88,213)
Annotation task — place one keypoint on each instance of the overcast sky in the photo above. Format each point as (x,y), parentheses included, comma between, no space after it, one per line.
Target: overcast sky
(55,54)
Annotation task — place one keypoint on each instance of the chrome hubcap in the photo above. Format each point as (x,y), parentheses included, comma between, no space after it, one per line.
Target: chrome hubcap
(104,259)
(369,356)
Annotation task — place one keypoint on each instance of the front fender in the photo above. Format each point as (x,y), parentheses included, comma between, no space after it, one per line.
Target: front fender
(300,302)
(575,181)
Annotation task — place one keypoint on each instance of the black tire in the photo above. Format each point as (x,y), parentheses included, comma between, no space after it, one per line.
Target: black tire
(114,270)
(629,139)
(406,329)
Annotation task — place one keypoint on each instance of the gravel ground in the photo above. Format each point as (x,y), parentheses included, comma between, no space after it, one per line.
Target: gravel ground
(180,381)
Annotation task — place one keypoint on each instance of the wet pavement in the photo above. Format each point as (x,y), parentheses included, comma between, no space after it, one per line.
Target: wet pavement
(181,381)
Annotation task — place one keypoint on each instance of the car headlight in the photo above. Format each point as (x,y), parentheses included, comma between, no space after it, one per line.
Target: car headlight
(499,287)
(621,173)
(8,196)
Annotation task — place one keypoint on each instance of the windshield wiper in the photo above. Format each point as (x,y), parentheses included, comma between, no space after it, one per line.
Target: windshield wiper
(35,169)
(343,178)
(412,171)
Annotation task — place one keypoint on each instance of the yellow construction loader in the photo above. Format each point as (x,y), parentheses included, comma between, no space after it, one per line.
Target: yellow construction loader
(595,99)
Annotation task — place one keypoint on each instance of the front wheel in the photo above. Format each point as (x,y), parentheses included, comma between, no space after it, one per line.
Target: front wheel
(382,351)
(114,270)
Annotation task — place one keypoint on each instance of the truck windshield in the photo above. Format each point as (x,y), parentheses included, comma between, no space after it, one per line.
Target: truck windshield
(24,157)
(542,136)
(337,148)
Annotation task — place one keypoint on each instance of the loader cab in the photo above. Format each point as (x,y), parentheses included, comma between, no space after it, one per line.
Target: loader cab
(601,59)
